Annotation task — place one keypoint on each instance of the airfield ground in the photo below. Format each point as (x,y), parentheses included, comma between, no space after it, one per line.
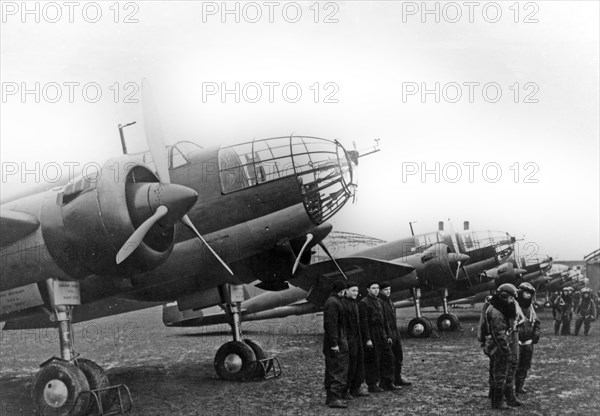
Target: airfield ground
(170,370)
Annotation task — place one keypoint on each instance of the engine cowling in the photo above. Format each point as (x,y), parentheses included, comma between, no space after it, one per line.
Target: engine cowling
(436,266)
(92,217)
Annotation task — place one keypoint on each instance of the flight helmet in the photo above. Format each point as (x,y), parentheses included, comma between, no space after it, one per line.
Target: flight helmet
(527,287)
(507,289)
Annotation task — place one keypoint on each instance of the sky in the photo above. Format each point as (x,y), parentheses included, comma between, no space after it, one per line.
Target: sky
(487,113)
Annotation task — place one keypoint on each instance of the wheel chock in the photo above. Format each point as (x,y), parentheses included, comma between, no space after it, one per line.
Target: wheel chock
(122,406)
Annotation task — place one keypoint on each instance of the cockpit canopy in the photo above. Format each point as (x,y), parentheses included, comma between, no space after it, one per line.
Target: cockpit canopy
(472,241)
(178,154)
(322,167)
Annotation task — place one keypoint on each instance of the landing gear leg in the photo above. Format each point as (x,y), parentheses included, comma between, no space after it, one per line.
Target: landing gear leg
(60,381)
(419,327)
(447,321)
(236,360)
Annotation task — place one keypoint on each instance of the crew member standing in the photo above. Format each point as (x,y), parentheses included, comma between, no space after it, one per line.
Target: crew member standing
(486,341)
(586,311)
(562,310)
(335,346)
(377,342)
(501,319)
(356,366)
(529,335)
(389,310)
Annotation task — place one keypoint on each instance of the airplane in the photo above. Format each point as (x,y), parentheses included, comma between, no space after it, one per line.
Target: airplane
(526,269)
(438,259)
(178,223)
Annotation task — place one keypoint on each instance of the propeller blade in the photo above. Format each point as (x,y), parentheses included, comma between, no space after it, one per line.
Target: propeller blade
(333,260)
(309,238)
(453,238)
(138,235)
(186,220)
(154,133)
(457,270)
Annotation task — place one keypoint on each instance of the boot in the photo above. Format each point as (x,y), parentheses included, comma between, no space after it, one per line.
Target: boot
(375,389)
(498,400)
(390,387)
(347,396)
(361,392)
(511,399)
(519,389)
(402,382)
(337,403)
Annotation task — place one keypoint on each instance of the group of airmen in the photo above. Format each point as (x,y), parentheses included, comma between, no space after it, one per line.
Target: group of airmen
(361,343)
(362,340)
(509,329)
(581,303)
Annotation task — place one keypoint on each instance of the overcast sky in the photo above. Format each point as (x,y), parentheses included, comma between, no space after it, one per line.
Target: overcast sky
(511,144)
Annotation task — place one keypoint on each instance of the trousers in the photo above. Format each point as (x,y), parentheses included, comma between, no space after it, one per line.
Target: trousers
(336,373)
(379,364)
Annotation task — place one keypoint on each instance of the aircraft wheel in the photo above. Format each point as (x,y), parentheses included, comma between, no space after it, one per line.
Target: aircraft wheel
(234,361)
(56,389)
(419,327)
(97,379)
(260,355)
(448,322)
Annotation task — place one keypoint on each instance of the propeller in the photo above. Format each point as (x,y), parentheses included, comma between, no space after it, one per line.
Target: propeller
(332,259)
(309,238)
(156,145)
(457,251)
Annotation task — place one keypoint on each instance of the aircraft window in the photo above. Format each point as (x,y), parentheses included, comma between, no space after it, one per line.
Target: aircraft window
(426,239)
(280,147)
(177,159)
(187,147)
(467,241)
(233,175)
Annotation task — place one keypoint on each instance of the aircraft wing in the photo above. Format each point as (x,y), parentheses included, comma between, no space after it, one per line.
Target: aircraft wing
(99,309)
(318,278)
(16,225)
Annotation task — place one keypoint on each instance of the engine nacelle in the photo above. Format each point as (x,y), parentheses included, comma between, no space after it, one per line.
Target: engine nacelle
(92,217)
(435,266)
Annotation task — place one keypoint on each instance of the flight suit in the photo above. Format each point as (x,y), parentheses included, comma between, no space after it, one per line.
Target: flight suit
(390,316)
(562,310)
(500,318)
(356,368)
(529,335)
(486,342)
(336,363)
(586,313)
(379,360)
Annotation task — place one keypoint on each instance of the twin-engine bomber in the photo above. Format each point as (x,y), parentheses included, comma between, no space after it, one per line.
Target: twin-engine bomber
(182,224)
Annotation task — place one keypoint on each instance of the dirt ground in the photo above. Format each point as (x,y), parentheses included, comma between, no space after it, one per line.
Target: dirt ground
(170,372)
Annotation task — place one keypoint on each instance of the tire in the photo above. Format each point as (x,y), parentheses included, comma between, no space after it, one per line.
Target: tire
(420,328)
(56,388)
(235,361)
(97,379)
(260,355)
(448,322)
